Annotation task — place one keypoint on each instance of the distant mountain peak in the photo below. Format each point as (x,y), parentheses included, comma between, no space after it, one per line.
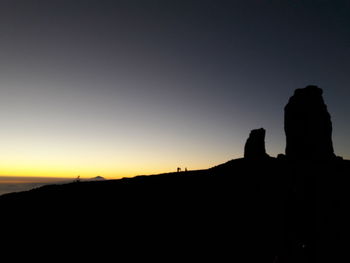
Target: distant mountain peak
(98,178)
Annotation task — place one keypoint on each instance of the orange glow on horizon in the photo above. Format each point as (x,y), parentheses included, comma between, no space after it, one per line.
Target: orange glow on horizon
(54,157)
(90,171)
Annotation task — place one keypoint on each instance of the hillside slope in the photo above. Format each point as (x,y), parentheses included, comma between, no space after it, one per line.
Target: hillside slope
(276,210)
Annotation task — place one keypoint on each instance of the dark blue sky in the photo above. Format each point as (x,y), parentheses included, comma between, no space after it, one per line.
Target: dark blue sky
(125,87)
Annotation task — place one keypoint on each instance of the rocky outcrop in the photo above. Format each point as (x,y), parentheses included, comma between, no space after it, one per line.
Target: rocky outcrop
(255,145)
(308,126)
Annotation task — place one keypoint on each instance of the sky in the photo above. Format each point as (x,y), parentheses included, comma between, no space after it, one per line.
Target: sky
(127,87)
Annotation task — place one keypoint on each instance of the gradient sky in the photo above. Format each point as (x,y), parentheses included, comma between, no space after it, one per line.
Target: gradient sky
(120,88)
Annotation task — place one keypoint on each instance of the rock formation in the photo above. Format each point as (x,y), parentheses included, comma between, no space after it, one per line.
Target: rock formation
(308,126)
(255,145)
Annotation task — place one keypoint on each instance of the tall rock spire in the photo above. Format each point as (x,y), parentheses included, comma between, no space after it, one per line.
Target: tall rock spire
(255,145)
(308,126)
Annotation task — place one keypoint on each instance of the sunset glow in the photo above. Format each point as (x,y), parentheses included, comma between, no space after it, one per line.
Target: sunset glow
(122,88)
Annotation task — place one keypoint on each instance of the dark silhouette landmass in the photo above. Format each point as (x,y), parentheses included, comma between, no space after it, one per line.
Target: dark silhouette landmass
(255,209)
(308,126)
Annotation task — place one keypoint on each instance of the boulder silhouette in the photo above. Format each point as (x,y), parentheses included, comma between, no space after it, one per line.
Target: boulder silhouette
(255,146)
(308,126)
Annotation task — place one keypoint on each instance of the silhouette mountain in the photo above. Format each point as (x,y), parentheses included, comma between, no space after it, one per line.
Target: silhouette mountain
(97,178)
(253,209)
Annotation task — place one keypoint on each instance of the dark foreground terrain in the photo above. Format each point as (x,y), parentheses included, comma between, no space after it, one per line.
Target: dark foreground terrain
(266,210)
